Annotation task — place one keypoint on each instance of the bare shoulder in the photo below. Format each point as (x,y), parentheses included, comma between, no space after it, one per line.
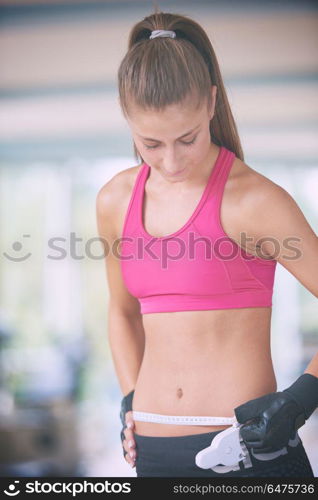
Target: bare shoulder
(253,189)
(112,191)
(252,203)
(113,197)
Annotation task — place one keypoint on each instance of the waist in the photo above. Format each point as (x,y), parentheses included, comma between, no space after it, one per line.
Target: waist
(161,397)
(204,394)
(141,416)
(199,363)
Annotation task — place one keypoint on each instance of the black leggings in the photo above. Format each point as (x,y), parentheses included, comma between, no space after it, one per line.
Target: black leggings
(174,456)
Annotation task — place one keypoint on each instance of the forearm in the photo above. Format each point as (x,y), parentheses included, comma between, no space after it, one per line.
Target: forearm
(312,368)
(127,342)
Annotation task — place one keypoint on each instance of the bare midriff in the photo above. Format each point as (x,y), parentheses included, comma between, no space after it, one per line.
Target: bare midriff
(202,363)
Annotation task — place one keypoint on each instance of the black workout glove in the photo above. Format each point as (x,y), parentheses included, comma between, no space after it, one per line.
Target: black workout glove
(126,405)
(271,420)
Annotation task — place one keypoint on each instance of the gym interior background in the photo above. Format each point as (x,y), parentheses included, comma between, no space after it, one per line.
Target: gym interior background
(62,136)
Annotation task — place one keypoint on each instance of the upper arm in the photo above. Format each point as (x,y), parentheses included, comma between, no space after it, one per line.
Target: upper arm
(282,231)
(107,217)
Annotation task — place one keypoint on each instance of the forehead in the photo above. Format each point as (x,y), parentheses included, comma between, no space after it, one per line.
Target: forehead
(173,121)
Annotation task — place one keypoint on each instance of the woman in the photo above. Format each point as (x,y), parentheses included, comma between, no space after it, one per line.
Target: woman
(200,234)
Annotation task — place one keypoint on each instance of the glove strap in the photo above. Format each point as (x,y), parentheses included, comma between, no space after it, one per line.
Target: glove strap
(305,392)
(126,405)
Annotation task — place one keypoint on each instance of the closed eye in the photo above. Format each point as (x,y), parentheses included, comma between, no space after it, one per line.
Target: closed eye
(182,142)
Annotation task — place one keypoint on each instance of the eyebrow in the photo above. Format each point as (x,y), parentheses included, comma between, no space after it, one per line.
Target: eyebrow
(184,135)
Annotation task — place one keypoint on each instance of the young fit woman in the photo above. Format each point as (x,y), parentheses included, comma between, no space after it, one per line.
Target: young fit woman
(193,236)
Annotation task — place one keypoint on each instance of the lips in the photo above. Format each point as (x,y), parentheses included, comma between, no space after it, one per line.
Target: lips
(176,173)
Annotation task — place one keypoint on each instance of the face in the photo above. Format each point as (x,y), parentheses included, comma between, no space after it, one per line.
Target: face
(175,141)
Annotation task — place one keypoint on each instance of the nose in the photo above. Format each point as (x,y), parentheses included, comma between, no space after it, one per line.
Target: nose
(171,164)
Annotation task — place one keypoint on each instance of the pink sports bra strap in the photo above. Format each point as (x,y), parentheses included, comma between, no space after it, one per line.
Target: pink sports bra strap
(131,221)
(225,166)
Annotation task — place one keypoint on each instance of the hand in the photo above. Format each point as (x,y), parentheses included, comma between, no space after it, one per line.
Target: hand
(128,440)
(126,434)
(269,421)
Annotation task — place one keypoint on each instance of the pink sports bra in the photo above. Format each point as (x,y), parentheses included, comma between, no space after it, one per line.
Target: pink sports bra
(197,267)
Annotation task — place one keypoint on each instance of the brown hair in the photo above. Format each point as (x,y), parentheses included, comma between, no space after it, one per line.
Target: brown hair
(161,71)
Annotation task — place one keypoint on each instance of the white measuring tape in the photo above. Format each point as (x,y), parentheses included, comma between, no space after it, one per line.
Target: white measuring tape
(181,420)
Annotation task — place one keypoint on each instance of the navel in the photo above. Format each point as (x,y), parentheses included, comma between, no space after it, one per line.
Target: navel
(179,392)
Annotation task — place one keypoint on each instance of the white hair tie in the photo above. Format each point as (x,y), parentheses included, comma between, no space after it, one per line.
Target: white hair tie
(166,33)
